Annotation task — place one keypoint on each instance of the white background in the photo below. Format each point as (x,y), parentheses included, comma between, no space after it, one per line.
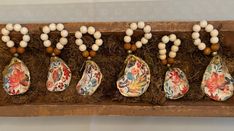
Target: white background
(31,11)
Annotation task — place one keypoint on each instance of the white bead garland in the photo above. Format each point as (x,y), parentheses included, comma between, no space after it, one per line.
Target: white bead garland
(134,26)
(174,48)
(18,28)
(91,31)
(208,28)
(53,27)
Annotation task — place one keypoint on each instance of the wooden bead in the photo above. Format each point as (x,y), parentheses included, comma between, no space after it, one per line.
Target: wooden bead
(57,51)
(13,50)
(171,61)
(20,50)
(92,53)
(215,47)
(50,50)
(85,53)
(207,51)
(164,62)
(133,47)
(127,46)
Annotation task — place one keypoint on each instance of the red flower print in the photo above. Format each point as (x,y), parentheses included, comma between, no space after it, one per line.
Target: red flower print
(216,81)
(18,77)
(184,90)
(66,71)
(138,64)
(135,71)
(175,78)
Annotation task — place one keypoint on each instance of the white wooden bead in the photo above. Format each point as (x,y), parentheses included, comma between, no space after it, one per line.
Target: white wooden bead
(24,30)
(60,27)
(162,52)
(44,37)
(144,40)
(214,40)
(26,38)
(5,38)
(52,26)
(47,43)
(95,47)
(99,42)
(46,29)
(63,41)
(17,27)
(148,36)
(165,39)
(64,33)
(78,34)
(201,46)
(172,37)
(209,28)
(9,27)
(129,32)
(197,42)
(147,29)
(162,57)
(141,24)
(4,31)
(127,39)
(172,54)
(174,48)
(214,33)
(196,28)
(97,35)
(10,43)
(195,35)
(79,42)
(203,23)
(138,44)
(161,46)
(59,46)
(83,29)
(177,42)
(91,30)
(23,44)
(133,26)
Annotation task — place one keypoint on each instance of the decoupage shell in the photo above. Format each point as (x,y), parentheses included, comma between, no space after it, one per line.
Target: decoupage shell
(16,77)
(90,80)
(217,83)
(176,84)
(59,75)
(136,78)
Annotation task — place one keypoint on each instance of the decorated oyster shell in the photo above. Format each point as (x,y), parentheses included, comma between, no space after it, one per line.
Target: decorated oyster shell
(217,83)
(175,84)
(59,75)
(136,77)
(90,79)
(16,77)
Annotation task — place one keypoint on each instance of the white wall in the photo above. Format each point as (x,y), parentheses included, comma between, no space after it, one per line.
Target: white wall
(25,11)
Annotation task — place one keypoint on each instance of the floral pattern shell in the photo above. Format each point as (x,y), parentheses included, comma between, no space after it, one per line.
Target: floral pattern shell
(16,77)
(90,80)
(59,75)
(175,84)
(136,78)
(217,83)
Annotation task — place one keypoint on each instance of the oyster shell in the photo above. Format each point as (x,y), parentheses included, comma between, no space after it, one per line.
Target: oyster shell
(90,80)
(16,77)
(136,78)
(175,84)
(217,82)
(59,75)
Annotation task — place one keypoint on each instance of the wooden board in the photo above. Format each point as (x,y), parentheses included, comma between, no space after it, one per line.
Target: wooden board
(170,108)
